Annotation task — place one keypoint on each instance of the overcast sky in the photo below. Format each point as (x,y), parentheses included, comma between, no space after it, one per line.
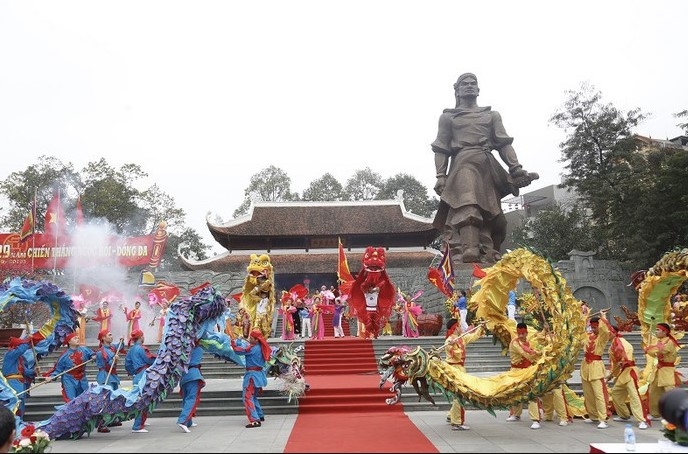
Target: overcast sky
(204,94)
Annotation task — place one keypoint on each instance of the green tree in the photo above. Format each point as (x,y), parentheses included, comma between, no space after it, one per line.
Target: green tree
(661,219)
(415,195)
(108,193)
(189,243)
(325,188)
(40,179)
(363,185)
(601,162)
(271,184)
(555,231)
(684,126)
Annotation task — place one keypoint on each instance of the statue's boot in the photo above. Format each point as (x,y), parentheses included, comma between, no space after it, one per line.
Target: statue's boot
(491,255)
(469,235)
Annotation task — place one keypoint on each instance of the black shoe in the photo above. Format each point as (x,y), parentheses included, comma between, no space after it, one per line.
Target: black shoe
(262,418)
(253,424)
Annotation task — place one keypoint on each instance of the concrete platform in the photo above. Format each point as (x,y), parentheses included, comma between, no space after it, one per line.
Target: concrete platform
(228,434)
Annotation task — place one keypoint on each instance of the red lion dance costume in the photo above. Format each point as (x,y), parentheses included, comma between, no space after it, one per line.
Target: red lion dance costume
(372,293)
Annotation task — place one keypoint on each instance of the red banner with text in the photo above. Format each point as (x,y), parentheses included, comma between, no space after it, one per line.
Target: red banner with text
(43,251)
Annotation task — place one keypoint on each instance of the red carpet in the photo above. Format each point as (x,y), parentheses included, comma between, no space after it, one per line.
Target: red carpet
(345,411)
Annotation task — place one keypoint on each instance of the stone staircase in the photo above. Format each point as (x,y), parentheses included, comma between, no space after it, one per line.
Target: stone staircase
(222,394)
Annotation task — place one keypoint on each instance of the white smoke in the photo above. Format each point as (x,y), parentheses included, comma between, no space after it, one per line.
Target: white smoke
(99,269)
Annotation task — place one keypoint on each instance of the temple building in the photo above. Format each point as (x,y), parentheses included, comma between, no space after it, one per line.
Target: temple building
(302,239)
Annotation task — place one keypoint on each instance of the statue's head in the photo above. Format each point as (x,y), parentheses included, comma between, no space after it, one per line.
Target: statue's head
(463,83)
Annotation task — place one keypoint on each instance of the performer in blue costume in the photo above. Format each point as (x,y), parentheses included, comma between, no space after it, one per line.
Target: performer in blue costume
(190,387)
(106,361)
(71,367)
(19,368)
(257,352)
(105,357)
(138,359)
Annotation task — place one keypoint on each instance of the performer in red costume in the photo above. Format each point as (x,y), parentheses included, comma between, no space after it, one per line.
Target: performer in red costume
(372,293)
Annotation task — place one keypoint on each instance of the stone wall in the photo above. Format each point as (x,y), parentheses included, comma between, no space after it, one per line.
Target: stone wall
(599,282)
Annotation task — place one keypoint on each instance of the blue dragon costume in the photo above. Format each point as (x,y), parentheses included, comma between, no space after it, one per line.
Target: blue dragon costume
(188,319)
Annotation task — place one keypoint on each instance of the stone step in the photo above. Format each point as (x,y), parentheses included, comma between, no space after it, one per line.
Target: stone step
(222,395)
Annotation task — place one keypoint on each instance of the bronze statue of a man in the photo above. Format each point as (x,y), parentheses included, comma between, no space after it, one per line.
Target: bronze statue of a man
(470,180)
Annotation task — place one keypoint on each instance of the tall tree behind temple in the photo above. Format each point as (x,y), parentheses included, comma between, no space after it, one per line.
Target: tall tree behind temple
(415,195)
(325,188)
(271,184)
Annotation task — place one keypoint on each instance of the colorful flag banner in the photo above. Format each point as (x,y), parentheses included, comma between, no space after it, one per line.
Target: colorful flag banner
(446,268)
(442,276)
(29,227)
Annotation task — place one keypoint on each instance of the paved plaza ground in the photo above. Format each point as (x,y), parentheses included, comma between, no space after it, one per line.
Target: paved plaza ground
(228,434)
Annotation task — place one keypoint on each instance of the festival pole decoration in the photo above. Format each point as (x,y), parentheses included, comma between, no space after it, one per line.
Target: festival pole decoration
(159,241)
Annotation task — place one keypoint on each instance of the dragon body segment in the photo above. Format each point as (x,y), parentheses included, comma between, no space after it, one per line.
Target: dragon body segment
(560,344)
(189,320)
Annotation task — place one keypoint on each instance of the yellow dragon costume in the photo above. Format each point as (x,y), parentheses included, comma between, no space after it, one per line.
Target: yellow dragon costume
(258,293)
(558,307)
(655,290)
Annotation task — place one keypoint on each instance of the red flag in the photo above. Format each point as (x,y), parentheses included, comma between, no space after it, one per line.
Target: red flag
(343,266)
(79,212)
(55,222)
(90,293)
(478,272)
(236,297)
(165,290)
(29,227)
(299,290)
(197,289)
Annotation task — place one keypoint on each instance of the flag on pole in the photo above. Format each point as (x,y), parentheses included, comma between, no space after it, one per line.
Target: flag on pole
(446,267)
(345,279)
(29,227)
(55,222)
(79,212)
(169,292)
(343,265)
(442,276)
(478,272)
(90,293)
